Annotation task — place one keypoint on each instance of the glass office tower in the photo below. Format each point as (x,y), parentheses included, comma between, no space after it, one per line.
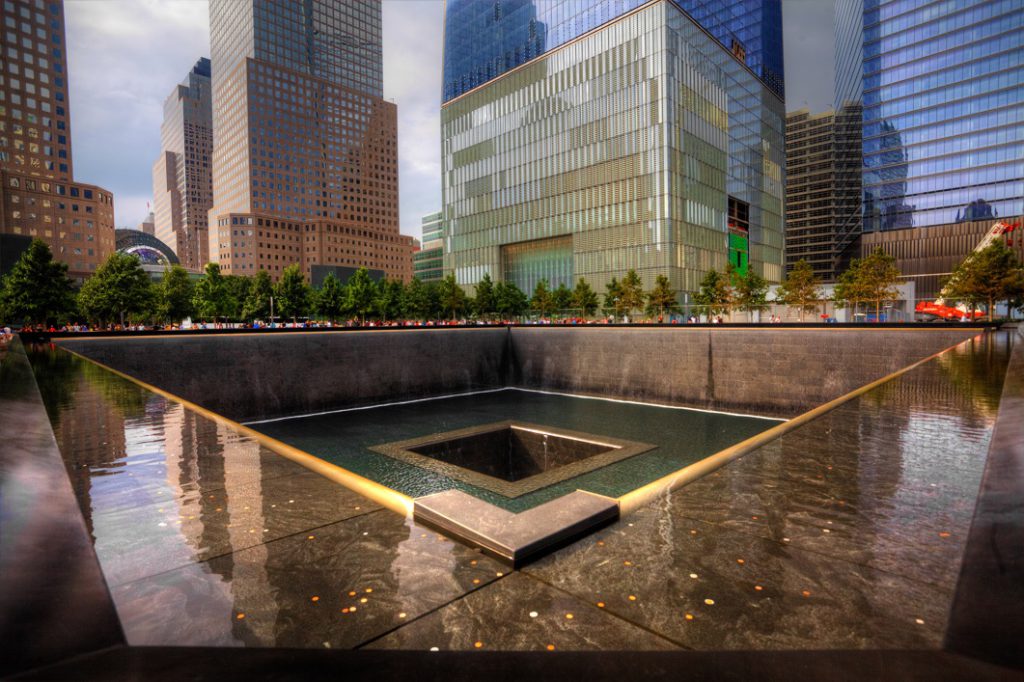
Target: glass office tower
(584,138)
(941,84)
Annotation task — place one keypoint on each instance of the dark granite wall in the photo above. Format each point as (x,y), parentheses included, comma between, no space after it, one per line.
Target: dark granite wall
(261,376)
(766,371)
(54,603)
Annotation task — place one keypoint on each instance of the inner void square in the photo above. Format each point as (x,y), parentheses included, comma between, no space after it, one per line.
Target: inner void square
(512,458)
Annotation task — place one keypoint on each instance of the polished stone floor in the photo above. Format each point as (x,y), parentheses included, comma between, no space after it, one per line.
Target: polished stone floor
(846,533)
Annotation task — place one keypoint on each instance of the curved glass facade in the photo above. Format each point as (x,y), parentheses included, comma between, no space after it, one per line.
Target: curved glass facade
(943,121)
(483,40)
(145,247)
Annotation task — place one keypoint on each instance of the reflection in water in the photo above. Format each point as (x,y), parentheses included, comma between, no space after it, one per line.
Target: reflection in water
(206,538)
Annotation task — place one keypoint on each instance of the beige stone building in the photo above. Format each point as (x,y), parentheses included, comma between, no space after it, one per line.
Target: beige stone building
(38,195)
(305,162)
(182,180)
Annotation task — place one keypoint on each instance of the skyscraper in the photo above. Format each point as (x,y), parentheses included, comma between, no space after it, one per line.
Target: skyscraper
(38,194)
(428,262)
(305,160)
(941,87)
(182,183)
(589,137)
(818,192)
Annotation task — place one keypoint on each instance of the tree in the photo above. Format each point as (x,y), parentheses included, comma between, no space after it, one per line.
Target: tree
(509,300)
(37,289)
(416,300)
(174,295)
(361,294)
(662,298)
(584,298)
(209,296)
(988,276)
(451,298)
(613,297)
(331,298)
(236,290)
(801,289)
(562,297)
(750,291)
(631,289)
(120,287)
(257,299)
(387,300)
(542,301)
(484,302)
(291,293)
(716,294)
(880,276)
(873,279)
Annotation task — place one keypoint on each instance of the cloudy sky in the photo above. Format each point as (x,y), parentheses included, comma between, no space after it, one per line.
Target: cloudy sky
(125,56)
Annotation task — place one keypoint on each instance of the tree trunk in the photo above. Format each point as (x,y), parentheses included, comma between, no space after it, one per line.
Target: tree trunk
(991,306)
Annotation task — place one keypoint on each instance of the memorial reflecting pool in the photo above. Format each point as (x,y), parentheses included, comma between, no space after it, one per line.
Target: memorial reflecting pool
(844,533)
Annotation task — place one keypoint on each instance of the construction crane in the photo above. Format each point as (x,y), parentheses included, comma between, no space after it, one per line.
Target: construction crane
(938,307)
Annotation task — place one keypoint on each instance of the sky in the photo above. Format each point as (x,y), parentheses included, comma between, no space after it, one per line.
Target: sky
(125,57)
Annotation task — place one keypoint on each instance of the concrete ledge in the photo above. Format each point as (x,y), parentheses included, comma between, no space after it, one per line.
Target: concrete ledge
(986,611)
(515,539)
(54,602)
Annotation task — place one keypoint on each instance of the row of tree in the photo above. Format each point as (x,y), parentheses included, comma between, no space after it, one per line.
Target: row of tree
(872,279)
(38,291)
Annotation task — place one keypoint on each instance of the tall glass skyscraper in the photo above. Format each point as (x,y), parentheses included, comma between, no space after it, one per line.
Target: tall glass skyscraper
(941,86)
(589,137)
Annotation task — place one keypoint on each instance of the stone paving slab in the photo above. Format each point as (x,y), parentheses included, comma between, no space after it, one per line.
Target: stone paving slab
(520,613)
(134,542)
(336,587)
(706,587)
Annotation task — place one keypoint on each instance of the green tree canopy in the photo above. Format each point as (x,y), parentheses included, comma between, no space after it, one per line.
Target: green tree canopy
(256,305)
(613,297)
(388,299)
(119,288)
(716,293)
(209,297)
(871,279)
(37,289)
(291,293)
(562,297)
(331,298)
(484,302)
(509,300)
(417,303)
(988,276)
(750,291)
(542,300)
(632,295)
(236,290)
(362,291)
(584,298)
(801,289)
(451,298)
(174,295)
(662,298)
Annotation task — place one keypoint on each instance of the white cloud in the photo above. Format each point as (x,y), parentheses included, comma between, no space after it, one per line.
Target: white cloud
(412,79)
(124,58)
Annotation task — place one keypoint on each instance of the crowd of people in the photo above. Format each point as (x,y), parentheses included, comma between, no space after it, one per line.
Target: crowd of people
(357,323)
